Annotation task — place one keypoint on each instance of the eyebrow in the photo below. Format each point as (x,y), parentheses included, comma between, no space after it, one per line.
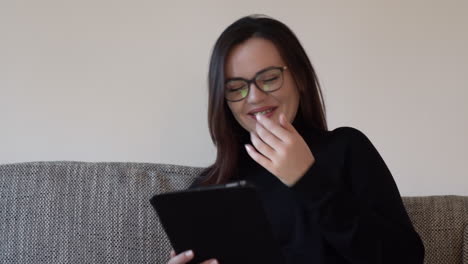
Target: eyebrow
(255,75)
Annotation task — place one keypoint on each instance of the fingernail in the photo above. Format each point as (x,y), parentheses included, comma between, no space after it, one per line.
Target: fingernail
(247,147)
(189,253)
(214,262)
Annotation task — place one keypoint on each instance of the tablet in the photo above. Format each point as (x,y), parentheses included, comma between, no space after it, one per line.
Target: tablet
(226,222)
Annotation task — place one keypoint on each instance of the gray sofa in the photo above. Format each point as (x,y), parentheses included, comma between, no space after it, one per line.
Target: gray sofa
(82,212)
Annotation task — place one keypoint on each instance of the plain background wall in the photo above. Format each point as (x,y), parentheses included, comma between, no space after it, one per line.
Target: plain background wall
(106,80)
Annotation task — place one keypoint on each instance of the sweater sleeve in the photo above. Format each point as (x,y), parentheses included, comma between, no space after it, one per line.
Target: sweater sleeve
(358,208)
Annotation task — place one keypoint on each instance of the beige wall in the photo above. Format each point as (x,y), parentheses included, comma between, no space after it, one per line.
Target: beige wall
(106,80)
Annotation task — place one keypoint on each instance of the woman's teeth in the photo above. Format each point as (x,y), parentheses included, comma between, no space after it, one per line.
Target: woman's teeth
(264,112)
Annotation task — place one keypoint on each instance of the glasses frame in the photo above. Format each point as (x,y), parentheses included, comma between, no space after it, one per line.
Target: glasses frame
(254,81)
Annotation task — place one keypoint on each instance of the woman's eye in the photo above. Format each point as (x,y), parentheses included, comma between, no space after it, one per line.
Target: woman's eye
(235,89)
(272,79)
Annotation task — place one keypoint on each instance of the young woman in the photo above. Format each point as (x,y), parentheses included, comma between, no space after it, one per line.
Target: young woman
(329,196)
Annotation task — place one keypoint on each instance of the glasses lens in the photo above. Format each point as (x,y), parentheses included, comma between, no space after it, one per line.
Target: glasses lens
(270,80)
(236,90)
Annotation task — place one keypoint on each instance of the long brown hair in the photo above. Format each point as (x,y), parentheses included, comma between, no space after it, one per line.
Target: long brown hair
(226,133)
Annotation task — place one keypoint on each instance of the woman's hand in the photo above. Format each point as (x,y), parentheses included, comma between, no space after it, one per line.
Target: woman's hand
(280,149)
(185,257)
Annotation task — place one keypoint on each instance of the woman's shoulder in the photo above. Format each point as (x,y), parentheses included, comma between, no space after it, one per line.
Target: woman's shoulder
(347,133)
(343,145)
(343,137)
(201,178)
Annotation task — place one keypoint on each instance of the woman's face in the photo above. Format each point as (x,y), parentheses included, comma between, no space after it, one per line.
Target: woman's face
(244,61)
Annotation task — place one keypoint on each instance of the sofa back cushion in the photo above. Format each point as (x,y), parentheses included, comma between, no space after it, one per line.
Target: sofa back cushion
(83,212)
(441,222)
(465,246)
(79,212)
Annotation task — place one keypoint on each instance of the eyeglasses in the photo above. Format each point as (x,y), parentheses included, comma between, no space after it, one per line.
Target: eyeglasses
(267,80)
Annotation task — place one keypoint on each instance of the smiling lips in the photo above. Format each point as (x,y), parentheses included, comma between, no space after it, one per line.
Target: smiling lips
(265,111)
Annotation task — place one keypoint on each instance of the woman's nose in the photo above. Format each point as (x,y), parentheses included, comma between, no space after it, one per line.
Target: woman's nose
(255,94)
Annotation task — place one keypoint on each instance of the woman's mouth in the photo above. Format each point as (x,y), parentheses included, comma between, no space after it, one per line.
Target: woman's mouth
(267,113)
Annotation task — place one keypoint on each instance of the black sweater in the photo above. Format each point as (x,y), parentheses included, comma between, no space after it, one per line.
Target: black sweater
(345,209)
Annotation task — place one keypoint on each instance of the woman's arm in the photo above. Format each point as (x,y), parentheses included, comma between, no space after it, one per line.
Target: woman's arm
(360,211)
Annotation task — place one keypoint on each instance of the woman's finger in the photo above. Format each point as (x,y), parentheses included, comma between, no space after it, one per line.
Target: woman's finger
(259,158)
(261,146)
(173,254)
(182,258)
(286,124)
(210,261)
(274,127)
(268,137)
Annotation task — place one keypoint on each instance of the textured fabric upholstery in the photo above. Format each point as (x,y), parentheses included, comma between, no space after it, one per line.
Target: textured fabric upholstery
(465,246)
(441,222)
(77,212)
(83,212)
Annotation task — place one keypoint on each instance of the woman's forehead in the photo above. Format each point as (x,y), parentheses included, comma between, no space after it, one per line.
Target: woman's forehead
(251,56)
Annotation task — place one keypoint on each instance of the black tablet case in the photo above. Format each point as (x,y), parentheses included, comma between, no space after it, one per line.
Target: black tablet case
(226,222)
